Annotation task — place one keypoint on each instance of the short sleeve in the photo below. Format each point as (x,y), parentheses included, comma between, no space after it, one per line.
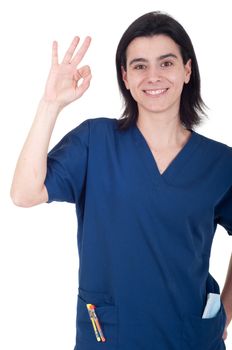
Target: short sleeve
(67,166)
(223,211)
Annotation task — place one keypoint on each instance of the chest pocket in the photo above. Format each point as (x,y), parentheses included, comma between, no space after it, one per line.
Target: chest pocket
(204,333)
(107,314)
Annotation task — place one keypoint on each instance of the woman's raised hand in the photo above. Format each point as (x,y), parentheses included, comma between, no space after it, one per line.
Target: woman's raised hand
(66,81)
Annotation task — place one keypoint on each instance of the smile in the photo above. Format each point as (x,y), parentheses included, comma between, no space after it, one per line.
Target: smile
(155,92)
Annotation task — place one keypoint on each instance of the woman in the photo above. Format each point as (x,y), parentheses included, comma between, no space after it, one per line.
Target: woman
(149,193)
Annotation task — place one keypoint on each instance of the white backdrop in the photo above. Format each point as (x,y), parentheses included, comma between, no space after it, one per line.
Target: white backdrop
(38,250)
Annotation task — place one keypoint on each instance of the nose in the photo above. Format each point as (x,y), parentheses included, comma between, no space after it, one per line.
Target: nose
(153,74)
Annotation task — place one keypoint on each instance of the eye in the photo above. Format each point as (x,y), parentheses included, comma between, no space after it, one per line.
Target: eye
(140,66)
(167,64)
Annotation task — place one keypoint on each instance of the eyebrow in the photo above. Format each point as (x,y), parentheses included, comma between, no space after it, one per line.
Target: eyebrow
(141,59)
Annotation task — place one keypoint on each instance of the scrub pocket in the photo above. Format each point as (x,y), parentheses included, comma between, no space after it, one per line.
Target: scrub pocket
(204,333)
(107,313)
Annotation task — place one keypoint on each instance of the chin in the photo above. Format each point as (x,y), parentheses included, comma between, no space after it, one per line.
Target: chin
(156,110)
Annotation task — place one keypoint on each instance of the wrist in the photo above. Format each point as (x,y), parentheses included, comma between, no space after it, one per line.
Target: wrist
(52,106)
(47,112)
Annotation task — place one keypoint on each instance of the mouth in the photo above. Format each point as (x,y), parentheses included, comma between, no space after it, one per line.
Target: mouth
(155,92)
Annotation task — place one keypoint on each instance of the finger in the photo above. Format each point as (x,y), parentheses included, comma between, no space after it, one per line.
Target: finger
(81,52)
(54,52)
(71,49)
(82,72)
(83,86)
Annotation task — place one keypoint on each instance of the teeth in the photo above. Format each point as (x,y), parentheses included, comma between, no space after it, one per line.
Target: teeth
(155,92)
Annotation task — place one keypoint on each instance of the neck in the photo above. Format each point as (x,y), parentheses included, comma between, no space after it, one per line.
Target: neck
(163,133)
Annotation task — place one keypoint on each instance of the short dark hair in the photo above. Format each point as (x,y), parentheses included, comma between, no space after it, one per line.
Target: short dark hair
(154,23)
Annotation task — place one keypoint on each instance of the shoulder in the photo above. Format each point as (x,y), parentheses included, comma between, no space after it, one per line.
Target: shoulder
(102,122)
(101,126)
(83,131)
(218,150)
(215,145)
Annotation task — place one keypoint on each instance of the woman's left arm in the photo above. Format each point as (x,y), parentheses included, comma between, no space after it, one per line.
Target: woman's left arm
(226,297)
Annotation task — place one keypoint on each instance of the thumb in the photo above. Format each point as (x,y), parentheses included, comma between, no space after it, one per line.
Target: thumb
(224,334)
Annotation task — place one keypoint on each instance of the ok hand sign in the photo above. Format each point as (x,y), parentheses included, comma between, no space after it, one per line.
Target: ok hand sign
(63,84)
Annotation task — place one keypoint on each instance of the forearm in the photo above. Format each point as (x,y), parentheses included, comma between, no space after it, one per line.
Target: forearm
(226,294)
(31,167)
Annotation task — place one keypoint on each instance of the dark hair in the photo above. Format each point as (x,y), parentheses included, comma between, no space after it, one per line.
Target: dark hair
(154,23)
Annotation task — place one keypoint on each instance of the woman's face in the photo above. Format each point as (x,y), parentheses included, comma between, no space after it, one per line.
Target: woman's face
(155,74)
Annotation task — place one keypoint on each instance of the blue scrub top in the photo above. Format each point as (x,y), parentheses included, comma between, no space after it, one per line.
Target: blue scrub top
(144,238)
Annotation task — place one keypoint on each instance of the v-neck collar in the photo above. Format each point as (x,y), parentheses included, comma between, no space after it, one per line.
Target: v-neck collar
(174,166)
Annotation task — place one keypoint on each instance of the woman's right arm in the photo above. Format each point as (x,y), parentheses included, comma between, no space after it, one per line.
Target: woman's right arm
(65,84)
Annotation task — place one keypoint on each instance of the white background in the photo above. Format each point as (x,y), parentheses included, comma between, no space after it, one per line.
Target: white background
(38,252)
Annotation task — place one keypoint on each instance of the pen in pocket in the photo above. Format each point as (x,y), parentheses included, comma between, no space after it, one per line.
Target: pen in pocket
(93,323)
(96,325)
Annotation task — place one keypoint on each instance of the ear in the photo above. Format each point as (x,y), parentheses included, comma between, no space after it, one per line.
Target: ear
(188,71)
(124,77)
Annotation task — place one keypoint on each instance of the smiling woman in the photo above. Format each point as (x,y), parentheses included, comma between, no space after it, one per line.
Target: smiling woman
(155,69)
(149,193)
(171,46)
